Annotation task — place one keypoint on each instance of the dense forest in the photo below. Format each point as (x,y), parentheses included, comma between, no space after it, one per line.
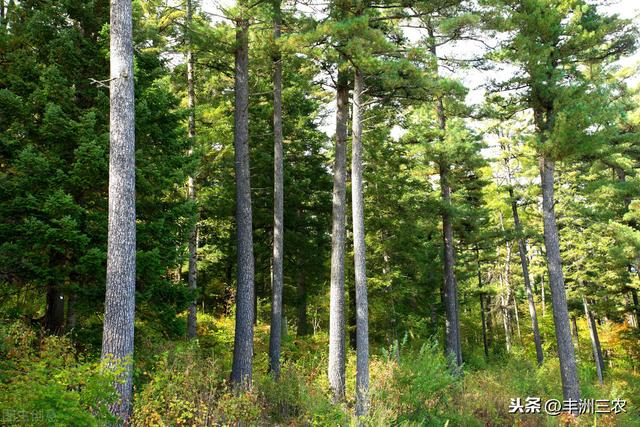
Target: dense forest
(332,213)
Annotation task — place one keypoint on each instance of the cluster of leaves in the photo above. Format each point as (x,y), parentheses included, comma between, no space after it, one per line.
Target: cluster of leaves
(44,381)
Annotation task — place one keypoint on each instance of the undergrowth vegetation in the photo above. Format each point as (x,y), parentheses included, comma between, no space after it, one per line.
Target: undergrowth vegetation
(46,381)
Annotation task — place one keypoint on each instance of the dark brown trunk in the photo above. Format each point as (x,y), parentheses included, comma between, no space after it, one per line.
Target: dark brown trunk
(54,315)
(485,343)
(634,296)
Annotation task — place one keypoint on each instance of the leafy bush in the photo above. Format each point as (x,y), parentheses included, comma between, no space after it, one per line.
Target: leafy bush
(44,382)
(180,389)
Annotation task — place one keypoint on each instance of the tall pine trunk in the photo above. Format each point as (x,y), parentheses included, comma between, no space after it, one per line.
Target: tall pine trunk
(336,368)
(511,294)
(450,291)
(452,325)
(241,370)
(191,189)
(522,249)
(359,252)
(506,318)
(119,313)
(595,341)
(275,334)
(485,344)
(566,354)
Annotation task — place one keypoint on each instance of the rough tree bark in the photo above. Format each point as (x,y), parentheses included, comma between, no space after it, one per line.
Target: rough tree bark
(336,368)
(359,252)
(191,189)
(566,354)
(450,294)
(595,341)
(522,249)
(117,338)
(241,370)
(275,336)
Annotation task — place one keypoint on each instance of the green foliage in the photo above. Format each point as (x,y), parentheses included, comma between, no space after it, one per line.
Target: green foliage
(44,382)
(53,207)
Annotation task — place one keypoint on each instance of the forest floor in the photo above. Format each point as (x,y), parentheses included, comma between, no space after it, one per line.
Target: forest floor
(46,381)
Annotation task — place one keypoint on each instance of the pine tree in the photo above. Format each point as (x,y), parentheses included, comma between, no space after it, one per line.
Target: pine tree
(241,372)
(549,40)
(275,339)
(117,338)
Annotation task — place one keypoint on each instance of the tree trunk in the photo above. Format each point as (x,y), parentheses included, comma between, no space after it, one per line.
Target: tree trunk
(506,320)
(489,317)
(595,341)
(452,326)
(54,315)
(117,338)
(568,368)
(191,190)
(352,317)
(634,296)
(575,332)
(336,368)
(522,249)
(542,296)
(515,310)
(71,319)
(359,251)
(278,202)
(485,344)
(450,291)
(241,371)
(511,295)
